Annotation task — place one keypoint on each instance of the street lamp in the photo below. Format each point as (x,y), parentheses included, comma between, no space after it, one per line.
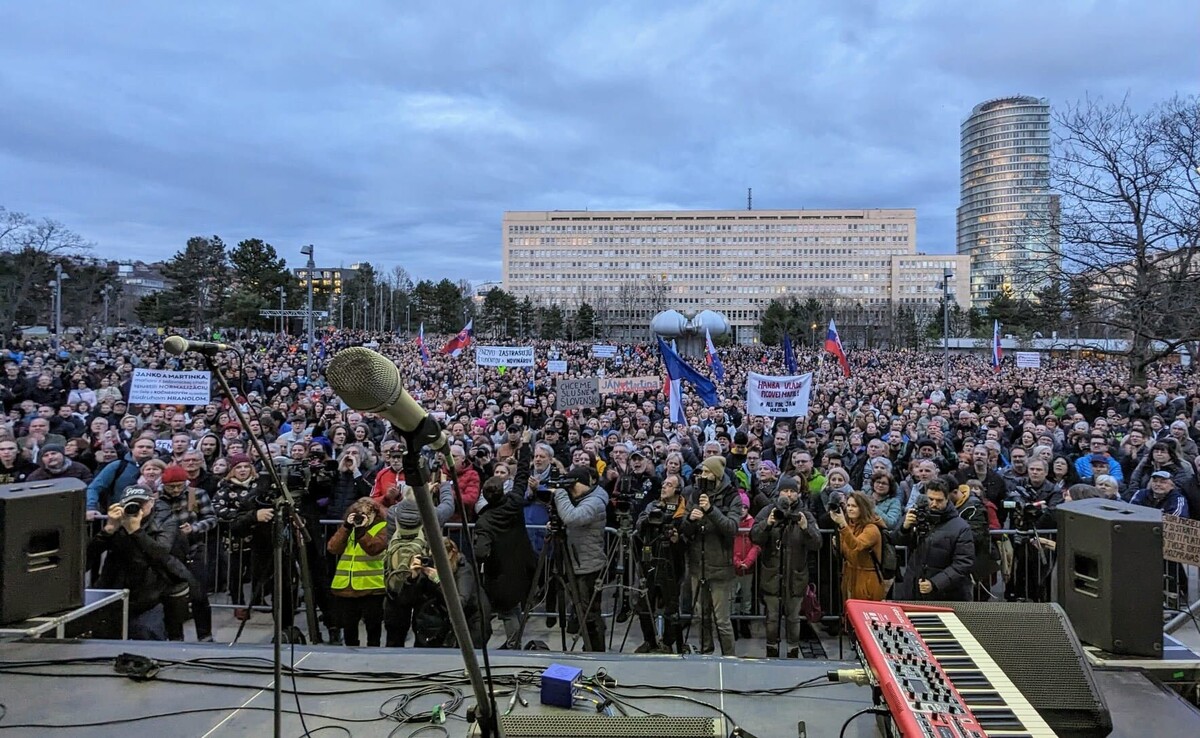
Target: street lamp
(59,276)
(105,293)
(946,275)
(813,328)
(282,301)
(312,265)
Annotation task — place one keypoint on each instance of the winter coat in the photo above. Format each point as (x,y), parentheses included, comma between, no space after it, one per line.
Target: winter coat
(712,536)
(799,538)
(348,487)
(502,546)
(860,577)
(140,562)
(70,470)
(584,524)
(443,511)
(745,551)
(109,482)
(945,556)
(889,510)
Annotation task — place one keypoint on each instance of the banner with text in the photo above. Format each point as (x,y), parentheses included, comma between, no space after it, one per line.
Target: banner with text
(575,393)
(629,385)
(556,367)
(778,397)
(1181,540)
(1029,360)
(161,387)
(504,355)
(601,351)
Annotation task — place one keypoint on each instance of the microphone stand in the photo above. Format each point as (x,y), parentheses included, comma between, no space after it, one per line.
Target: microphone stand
(417,478)
(285,513)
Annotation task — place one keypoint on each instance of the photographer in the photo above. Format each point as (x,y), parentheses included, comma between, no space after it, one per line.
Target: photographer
(581,507)
(189,511)
(357,585)
(506,558)
(431,620)
(787,533)
(663,549)
(941,550)
(137,558)
(640,486)
(709,528)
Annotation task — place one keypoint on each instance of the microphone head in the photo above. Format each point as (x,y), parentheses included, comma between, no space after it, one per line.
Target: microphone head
(176,345)
(365,380)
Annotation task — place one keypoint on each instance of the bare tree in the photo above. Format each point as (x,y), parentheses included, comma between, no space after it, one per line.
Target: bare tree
(28,251)
(1128,223)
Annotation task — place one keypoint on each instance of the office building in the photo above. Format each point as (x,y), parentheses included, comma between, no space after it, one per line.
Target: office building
(630,265)
(1007,216)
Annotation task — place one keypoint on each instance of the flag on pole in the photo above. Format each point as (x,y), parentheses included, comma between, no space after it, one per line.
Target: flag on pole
(455,345)
(421,343)
(833,344)
(714,361)
(997,352)
(789,355)
(679,370)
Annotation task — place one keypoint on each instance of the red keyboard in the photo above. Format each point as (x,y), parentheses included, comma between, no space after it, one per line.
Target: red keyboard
(936,679)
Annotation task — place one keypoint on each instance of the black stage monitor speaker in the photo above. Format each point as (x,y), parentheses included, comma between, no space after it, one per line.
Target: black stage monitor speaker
(42,531)
(1110,574)
(1035,647)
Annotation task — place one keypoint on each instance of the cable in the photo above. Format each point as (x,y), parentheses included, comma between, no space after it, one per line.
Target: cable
(864,711)
(401,714)
(445,733)
(308,733)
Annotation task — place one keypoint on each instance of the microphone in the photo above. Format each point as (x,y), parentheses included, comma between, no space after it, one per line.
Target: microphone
(370,383)
(178,345)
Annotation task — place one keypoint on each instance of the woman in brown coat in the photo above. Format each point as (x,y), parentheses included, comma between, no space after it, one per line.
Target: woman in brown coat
(860,534)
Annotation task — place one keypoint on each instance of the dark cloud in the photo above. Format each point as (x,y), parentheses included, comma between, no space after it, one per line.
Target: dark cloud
(400,132)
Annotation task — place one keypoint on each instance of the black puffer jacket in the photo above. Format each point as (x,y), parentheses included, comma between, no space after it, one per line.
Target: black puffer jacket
(140,562)
(945,557)
(502,544)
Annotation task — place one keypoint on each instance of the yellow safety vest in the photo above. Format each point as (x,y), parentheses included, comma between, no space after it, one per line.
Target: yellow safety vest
(358,570)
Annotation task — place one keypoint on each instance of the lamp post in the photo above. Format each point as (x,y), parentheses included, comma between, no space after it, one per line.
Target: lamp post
(408,318)
(59,276)
(105,293)
(813,328)
(312,265)
(282,302)
(946,275)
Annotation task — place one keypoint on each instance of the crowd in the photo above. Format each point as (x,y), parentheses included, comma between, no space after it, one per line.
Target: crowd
(716,519)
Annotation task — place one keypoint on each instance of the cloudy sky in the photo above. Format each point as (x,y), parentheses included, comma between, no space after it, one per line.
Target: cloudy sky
(399,131)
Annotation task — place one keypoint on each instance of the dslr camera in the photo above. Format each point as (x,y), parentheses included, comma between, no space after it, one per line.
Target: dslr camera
(924,522)
(132,508)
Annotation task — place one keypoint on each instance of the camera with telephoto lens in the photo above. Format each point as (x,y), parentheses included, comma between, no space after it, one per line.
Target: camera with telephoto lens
(1025,515)
(924,522)
(623,495)
(837,503)
(794,512)
(132,508)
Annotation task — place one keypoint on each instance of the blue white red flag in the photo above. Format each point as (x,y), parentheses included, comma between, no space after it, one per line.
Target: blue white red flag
(421,344)
(833,344)
(714,361)
(455,345)
(997,352)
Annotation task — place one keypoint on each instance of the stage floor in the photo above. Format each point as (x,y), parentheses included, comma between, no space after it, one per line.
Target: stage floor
(239,704)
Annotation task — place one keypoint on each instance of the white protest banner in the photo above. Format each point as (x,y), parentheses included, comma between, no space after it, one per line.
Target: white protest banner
(161,387)
(601,351)
(778,397)
(629,385)
(556,367)
(1181,540)
(1029,360)
(573,393)
(504,356)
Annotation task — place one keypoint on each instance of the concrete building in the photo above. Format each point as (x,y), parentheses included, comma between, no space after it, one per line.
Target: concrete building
(1007,216)
(630,265)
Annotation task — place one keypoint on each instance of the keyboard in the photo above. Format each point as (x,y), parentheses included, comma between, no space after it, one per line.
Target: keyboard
(936,679)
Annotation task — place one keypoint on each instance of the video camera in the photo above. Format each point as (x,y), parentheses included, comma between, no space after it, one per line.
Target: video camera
(545,490)
(623,495)
(1025,515)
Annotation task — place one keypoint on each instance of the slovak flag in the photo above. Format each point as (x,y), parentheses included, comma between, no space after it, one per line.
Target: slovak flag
(455,345)
(997,352)
(833,344)
(714,361)
(421,344)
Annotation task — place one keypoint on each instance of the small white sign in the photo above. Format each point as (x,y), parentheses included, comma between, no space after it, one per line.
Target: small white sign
(778,397)
(1029,360)
(556,367)
(162,387)
(601,351)
(504,355)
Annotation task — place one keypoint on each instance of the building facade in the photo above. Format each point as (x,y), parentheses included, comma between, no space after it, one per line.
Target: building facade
(1007,215)
(630,265)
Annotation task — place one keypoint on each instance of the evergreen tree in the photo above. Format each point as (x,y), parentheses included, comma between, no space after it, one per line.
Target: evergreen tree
(200,277)
(552,322)
(585,322)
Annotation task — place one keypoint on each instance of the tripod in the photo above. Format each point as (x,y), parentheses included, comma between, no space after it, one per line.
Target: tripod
(702,590)
(554,562)
(618,556)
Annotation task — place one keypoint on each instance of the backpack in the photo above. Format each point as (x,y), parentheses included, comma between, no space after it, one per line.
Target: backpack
(398,556)
(887,564)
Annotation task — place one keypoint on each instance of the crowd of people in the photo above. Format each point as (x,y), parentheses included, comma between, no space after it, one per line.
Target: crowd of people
(894,485)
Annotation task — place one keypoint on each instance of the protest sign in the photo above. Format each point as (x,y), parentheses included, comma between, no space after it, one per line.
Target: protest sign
(574,393)
(1029,360)
(1181,540)
(504,355)
(556,367)
(601,351)
(623,385)
(778,396)
(162,387)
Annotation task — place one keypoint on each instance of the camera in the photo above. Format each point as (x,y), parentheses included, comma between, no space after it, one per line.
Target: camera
(924,522)
(623,495)
(427,562)
(837,502)
(1025,515)
(132,508)
(545,490)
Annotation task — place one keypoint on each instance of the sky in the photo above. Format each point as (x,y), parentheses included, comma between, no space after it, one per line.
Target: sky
(399,132)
